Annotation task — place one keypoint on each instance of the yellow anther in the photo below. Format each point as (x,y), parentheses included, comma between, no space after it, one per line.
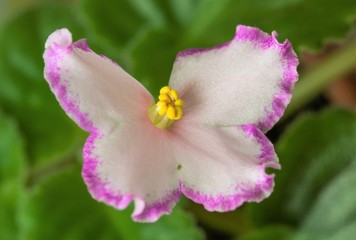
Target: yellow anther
(163,97)
(179,113)
(167,110)
(174,95)
(164,90)
(162,109)
(161,103)
(171,113)
(179,103)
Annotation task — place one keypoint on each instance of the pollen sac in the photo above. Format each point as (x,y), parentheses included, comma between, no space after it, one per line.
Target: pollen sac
(167,110)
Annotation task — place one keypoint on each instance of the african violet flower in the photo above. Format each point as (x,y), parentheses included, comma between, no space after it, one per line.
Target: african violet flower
(203,138)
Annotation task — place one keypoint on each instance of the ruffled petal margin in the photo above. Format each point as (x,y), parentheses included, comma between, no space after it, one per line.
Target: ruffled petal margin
(222,168)
(248,80)
(121,167)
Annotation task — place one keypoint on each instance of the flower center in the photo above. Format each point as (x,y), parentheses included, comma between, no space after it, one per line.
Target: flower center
(167,110)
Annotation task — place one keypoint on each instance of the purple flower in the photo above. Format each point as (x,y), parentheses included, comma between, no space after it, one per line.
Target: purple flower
(203,138)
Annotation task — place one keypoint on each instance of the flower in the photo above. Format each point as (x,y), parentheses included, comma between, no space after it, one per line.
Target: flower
(203,138)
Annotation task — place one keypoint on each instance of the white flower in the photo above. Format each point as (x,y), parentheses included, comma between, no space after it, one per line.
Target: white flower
(212,149)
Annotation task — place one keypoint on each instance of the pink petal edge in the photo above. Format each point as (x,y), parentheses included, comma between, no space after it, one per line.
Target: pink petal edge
(223,203)
(262,189)
(100,191)
(265,41)
(52,74)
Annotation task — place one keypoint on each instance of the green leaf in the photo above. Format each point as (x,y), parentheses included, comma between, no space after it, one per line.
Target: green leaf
(335,207)
(312,152)
(278,232)
(186,10)
(12,169)
(25,94)
(63,202)
(153,58)
(346,232)
(320,20)
(113,25)
(10,193)
(12,152)
(179,225)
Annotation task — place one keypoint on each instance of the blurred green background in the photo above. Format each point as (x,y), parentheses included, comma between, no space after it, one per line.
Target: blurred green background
(42,195)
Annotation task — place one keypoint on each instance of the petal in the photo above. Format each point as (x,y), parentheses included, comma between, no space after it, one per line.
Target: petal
(132,163)
(245,81)
(95,92)
(222,168)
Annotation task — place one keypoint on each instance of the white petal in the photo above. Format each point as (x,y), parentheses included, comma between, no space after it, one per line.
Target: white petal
(133,162)
(94,91)
(245,81)
(222,168)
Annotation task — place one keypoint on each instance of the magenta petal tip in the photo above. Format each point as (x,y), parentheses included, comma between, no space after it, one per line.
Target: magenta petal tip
(61,37)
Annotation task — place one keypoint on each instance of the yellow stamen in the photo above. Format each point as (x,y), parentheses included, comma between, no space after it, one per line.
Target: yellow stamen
(165,90)
(164,97)
(179,113)
(167,110)
(171,112)
(174,95)
(161,103)
(162,109)
(179,103)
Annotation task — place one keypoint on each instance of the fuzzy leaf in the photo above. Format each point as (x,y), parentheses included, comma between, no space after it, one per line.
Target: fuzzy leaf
(317,154)
(334,212)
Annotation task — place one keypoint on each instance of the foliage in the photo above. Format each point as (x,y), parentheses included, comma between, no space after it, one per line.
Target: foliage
(314,191)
